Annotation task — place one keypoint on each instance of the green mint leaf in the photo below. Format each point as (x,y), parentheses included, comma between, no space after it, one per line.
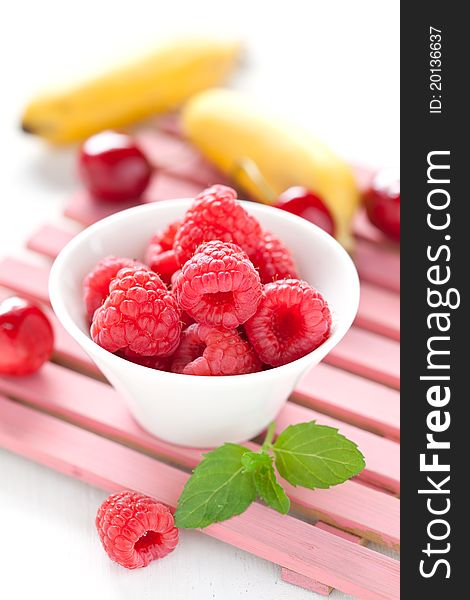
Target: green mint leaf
(316,456)
(254,461)
(269,489)
(218,489)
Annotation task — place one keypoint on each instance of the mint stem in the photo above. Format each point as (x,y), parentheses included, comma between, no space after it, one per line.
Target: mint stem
(269,437)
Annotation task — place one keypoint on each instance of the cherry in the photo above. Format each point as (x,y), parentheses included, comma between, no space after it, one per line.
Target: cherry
(26,337)
(113,167)
(382,201)
(300,201)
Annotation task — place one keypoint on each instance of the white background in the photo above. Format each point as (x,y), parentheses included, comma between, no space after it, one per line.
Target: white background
(331,66)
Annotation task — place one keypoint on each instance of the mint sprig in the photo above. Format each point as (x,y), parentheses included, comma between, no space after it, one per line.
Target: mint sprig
(231,477)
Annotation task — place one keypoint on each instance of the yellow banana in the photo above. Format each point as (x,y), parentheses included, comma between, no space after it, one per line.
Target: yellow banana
(158,83)
(228,128)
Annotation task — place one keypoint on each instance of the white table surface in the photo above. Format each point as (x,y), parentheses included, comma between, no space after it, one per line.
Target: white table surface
(332,66)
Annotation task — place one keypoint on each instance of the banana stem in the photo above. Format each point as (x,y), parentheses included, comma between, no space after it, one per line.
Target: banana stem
(249,169)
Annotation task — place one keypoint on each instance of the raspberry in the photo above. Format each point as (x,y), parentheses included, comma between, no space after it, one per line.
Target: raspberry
(160,363)
(165,238)
(209,351)
(273,259)
(164,264)
(135,529)
(96,283)
(139,315)
(186,320)
(216,215)
(219,286)
(292,320)
(160,255)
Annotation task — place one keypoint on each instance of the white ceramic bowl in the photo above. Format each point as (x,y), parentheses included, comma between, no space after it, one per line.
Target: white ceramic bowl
(184,409)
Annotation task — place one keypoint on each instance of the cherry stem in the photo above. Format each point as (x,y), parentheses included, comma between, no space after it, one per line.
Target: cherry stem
(248,168)
(268,440)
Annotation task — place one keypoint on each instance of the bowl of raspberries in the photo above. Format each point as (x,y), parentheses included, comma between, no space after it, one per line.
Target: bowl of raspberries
(205,312)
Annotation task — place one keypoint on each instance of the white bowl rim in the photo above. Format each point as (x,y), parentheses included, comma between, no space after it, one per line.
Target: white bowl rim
(302,363)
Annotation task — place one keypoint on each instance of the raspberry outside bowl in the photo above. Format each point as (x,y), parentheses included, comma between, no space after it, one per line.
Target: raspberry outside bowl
(202,411)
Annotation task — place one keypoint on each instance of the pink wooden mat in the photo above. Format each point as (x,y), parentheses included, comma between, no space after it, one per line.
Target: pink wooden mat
(68,417)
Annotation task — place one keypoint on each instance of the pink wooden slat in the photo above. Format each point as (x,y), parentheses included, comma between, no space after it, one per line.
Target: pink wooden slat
(378,263)
(170,123)
(369,355)
(93,405)
(199,171)
(68,352)
(86,210)
(165,150)
(379,311)
(360,352)
(311,584)
(283,540)
(49,240)
(364,229)
(98,407)
(167,186)
(25,278)
(177,157)
(377,258)
(333,391)
(350,398)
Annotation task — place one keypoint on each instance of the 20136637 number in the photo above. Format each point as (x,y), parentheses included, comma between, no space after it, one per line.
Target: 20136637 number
(435,70)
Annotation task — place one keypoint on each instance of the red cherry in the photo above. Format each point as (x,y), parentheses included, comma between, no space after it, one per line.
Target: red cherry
(382,201)
(113,167)
(26,337)
(300,201)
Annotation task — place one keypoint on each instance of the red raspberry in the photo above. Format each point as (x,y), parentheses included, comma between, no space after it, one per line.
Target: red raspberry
(135,529)
(219,286)
(273,259)
(165,239)
(96,283)
(174,277)
(160,255)
(139,315)
(209,351)
(186,320)
(292,320)
(164,264)
(160,363)
(26,337)
(216,215)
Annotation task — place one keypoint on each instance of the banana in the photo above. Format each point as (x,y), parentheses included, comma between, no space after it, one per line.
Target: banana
(228,128)
(158,83)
